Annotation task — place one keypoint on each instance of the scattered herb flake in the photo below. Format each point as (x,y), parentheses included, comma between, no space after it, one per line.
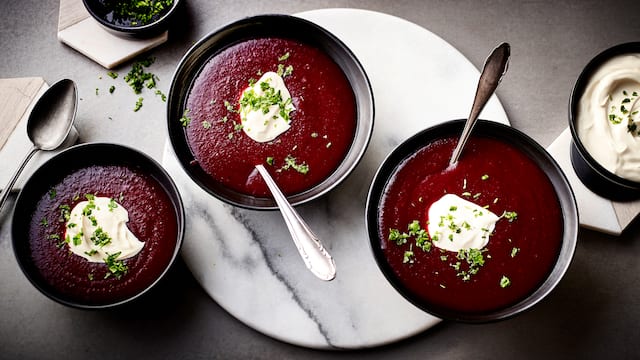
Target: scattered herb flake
(163,97)
(138,104)
(284,57)
(185,119)
(514,251)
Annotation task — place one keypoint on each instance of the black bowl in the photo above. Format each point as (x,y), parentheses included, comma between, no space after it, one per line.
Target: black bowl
(283,26)
(56,169)
(103,11)
(593,175)
(502,133)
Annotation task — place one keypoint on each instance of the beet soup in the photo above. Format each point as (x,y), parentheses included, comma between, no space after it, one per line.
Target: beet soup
(152,220)
(520,251)
(322,122)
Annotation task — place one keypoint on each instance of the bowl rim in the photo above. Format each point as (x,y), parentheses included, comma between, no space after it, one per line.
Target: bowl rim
(576,93)
(532,149)
(137,157)
(148,28)
(221,38)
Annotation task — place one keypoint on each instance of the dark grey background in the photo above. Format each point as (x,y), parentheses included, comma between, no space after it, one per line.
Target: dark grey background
(593,313)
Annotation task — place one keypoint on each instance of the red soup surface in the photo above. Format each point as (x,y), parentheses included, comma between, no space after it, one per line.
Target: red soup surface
(322,124)
(521,251)
(151,219)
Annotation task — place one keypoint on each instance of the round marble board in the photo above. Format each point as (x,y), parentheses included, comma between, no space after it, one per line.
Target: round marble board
(246,260)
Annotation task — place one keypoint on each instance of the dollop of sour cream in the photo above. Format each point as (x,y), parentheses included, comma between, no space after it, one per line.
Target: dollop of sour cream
(457,224)
(97,228)
(265,108)
(607,115)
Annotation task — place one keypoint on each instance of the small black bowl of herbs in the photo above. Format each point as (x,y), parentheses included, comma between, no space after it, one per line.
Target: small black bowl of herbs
(133,18)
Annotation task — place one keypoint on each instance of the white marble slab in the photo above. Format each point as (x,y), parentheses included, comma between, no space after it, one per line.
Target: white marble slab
(246,261)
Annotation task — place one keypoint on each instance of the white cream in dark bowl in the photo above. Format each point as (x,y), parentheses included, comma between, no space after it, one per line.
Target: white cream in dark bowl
(604,114)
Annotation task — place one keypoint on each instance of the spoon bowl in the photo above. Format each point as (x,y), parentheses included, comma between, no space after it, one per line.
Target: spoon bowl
(49,124)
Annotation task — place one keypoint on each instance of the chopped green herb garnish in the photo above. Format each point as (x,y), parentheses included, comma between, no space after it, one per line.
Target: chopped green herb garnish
(141,12)
(91,252)
(284,57)
(137,78)
(112,74)
(112,89)
(44,222)
(162,95)
(510,215)
(185,119)
(408,255)
(514,251)
(117,268)
(229,107)
(206,124)
(288,71)
(420,235)
(77,239)
(397,237)
(290,162)
(269,160)
(52,193)
(138,104)
(484,177)
(474,259)
(263,102)
(100,237)
(504,282)
(112,204)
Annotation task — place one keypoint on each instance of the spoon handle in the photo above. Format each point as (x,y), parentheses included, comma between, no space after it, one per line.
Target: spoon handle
(315,256)
(494,69)
(7,189)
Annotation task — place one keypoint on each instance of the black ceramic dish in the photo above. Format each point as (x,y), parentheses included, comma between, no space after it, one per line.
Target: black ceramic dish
(259,27)
(503,133)
(52,172)
(103,12)
(593,175)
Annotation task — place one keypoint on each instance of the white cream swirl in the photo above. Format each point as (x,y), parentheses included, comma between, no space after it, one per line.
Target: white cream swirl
(265,108)
(97,228)
(457,224)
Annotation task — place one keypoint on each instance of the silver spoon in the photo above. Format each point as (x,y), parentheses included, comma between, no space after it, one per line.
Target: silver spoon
(49,124)
(495,66)
(315,256)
